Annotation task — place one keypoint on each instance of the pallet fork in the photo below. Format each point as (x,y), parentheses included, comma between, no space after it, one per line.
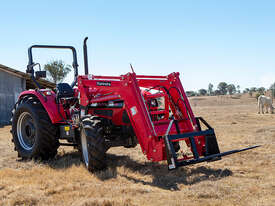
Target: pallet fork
(212,151)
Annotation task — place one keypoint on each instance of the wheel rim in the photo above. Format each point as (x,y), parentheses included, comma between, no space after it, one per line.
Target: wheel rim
(84,148)
(26,131)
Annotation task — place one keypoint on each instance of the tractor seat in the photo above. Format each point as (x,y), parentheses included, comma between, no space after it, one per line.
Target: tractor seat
(64,90)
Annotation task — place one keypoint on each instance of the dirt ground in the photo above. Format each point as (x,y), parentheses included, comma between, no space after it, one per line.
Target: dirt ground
(246,178)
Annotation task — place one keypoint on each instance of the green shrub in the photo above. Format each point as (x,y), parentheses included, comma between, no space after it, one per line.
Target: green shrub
(258,94)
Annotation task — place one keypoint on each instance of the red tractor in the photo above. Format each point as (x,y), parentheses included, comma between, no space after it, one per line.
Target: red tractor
(95,113)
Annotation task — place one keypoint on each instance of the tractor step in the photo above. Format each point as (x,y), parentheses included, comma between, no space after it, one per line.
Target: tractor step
(211,153)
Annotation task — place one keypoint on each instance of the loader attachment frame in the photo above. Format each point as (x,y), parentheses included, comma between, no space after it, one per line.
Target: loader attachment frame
(211,153)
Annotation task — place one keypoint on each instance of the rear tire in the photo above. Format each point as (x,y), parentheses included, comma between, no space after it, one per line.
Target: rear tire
(93,146)
(34,136)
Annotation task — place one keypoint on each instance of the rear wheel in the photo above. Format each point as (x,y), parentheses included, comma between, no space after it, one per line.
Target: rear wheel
(93,146)
(34,136)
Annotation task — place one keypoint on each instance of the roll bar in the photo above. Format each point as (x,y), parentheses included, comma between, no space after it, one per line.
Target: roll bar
(31,63)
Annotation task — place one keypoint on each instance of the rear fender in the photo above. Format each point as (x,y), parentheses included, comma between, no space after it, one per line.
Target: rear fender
(48,102)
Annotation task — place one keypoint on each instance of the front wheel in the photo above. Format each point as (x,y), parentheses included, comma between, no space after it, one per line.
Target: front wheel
(93,144)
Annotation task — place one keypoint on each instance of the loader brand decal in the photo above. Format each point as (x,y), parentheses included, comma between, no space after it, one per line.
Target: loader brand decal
(108,84)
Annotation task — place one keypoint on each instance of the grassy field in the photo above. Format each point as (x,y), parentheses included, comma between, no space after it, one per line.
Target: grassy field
(246,178)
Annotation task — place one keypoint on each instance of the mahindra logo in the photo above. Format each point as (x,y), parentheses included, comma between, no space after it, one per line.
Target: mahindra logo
(108,84)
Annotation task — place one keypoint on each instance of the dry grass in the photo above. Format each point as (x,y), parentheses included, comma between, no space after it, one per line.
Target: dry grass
(246,178)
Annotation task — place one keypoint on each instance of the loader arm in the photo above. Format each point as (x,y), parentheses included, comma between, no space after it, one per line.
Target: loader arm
(127,89)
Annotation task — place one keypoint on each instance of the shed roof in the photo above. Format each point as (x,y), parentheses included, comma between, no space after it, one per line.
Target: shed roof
(29,83)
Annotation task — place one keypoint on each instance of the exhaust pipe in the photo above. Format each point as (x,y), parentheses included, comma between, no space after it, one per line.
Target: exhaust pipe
(85,56)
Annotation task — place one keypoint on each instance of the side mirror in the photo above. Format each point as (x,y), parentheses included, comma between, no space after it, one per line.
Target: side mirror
(40,74)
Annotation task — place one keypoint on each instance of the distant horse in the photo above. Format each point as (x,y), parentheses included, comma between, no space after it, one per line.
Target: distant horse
(264,101)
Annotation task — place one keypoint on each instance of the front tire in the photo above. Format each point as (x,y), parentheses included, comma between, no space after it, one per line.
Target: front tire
(93,146)
(34,136)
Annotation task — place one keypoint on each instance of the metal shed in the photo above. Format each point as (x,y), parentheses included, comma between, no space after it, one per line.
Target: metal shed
(12,82)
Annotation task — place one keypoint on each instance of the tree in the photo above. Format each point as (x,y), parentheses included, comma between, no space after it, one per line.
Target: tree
(222,86)
(253,89)
(272,88)
(58,70)
(210,89)
(231,89)
(202,92)
(190,93)
(238,89)
(246,90)
(261,90)
(217,92)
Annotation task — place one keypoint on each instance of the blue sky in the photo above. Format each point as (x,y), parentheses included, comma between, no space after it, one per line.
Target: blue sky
(206,41)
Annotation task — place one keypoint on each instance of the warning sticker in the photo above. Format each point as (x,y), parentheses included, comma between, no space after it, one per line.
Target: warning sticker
(134,110)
